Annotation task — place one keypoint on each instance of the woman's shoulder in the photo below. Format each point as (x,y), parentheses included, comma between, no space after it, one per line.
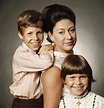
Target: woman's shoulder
(53,71)
(52,75)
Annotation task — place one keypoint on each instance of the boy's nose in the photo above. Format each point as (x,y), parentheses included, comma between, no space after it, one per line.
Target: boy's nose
(34,37)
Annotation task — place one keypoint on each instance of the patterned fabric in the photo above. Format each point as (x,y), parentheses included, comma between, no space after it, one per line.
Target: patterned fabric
(90,100)
(59,57)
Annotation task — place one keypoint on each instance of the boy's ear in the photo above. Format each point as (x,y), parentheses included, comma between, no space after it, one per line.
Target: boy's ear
(20,35)
(51,36)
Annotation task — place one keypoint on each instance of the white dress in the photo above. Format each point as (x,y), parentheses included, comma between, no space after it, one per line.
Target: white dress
(59,57)
(89,100)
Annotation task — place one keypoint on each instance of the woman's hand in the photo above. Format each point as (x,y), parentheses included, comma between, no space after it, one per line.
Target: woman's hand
(45,48)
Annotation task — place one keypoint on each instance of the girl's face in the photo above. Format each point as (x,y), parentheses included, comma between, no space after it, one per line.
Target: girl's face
(32,37)
(77,83)
(64,35)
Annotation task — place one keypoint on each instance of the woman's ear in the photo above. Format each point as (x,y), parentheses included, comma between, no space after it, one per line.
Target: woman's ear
(20,35)
(51,36)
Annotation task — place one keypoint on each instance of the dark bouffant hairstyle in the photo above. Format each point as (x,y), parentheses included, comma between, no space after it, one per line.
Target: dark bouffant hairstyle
(51,14)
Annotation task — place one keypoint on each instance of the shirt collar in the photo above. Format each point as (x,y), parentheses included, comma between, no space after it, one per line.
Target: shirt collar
(28,49)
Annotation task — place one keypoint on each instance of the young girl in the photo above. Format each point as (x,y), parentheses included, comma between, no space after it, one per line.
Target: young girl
(77,76)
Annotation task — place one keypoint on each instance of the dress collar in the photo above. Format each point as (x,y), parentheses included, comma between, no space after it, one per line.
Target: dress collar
(61,54)
(78,97)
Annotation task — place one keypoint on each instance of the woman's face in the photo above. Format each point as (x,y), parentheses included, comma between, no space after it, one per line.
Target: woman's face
(64,35)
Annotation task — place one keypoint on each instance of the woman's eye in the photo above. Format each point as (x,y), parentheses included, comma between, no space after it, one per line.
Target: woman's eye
(72,30)
(62,32)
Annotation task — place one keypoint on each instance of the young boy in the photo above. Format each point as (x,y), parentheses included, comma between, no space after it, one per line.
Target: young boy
(27,63)
(77,75)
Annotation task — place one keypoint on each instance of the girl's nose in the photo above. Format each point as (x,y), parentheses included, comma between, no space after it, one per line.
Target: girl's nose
(78,81)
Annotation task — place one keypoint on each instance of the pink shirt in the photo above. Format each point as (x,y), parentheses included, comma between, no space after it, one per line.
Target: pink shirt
(26,76)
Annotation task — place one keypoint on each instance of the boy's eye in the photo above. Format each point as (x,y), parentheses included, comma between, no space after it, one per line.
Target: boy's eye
(29,33)
(39,33)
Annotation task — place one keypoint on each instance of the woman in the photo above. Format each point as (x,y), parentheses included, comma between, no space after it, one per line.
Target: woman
(59,24)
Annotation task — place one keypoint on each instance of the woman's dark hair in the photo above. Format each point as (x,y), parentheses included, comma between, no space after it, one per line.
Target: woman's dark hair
(51,14)
(77,64)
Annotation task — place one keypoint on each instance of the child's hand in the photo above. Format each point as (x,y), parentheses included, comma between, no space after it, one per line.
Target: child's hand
(45,48)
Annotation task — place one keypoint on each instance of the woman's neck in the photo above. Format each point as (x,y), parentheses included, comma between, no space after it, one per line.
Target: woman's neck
(56,49)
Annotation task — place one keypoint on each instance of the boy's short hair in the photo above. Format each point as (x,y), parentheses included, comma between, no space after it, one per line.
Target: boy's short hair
(30,18)
(77,64)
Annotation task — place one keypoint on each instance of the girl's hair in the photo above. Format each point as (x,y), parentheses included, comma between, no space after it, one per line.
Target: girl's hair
(77,64)
(51,14)
(30,18)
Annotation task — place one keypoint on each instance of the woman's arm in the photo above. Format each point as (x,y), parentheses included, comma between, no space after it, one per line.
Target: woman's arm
(52,87)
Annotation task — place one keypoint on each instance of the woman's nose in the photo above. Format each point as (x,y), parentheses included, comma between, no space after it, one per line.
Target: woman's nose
(68,35)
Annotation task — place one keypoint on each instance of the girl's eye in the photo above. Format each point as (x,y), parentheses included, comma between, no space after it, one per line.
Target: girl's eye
(71,78)
(83,77)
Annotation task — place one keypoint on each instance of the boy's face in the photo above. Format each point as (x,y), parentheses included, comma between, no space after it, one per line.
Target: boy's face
(77,83)
(32,37)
